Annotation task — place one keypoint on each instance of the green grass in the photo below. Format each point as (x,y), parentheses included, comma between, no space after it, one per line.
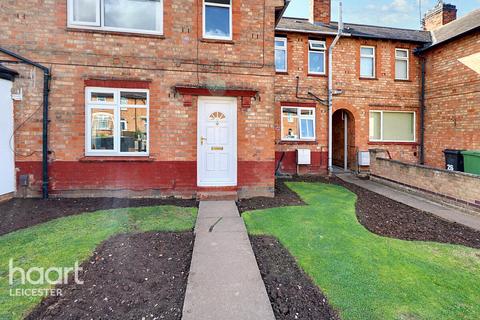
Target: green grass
(62,242)
(366,276)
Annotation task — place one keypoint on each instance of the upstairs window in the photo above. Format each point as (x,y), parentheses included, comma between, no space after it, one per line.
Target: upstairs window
(392,126)
(281,54)
(316,57)
(367,62)
(298,123)
(401,64)
(217,19)
(116,122)
(137,16)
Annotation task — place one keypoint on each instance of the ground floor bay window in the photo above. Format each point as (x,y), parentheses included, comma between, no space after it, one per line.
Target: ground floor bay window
(298,124)
(116,122)
(392,126)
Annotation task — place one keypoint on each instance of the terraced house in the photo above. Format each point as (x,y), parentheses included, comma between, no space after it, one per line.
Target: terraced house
(212,98)
(382,97)
(149,98)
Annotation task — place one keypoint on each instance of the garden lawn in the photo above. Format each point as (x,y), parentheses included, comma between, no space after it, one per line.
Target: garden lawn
(366,276)
(64,241)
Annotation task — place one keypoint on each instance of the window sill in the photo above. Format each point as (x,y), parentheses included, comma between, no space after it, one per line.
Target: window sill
(116,159)
(317,75)
(296,142)
(220,41)
(116,33)
(375,143)
(402,80)
(367,78)
(283,73)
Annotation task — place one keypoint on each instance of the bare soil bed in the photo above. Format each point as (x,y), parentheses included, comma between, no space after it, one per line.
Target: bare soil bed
(130,276)
(292,293)
(17,214)
(284,197)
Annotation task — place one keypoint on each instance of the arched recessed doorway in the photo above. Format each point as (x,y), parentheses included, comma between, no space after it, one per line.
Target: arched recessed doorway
(344,150)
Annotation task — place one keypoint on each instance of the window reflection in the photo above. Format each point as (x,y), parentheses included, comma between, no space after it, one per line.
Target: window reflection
(102,129)
(134,130)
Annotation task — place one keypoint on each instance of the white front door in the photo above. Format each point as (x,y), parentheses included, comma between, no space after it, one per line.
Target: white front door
(7,158)
(217,142)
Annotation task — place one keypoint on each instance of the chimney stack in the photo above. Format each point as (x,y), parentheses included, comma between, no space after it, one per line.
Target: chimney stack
(320,11)
(439,16)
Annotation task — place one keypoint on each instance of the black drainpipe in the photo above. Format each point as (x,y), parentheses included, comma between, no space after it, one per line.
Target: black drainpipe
(47,76)
(422,113)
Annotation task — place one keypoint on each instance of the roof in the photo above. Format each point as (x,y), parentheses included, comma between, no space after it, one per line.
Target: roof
(7,74)
(354,30)
(456,28)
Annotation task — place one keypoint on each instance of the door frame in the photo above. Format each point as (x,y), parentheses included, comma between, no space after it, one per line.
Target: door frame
(232,102)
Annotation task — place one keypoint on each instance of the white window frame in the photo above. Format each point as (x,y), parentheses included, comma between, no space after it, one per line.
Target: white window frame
(100,23)
(311,44)
(116,106)
(299,112)
(374,61)
(204,15)
(285,48)
(407,59)
(381,126)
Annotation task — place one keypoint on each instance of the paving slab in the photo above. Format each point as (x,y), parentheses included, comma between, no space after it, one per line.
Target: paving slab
(445,212)
(224,280)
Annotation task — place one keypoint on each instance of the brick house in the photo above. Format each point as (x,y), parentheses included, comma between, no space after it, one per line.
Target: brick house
(452,116)
(127,81)
(213,97)
(377,75)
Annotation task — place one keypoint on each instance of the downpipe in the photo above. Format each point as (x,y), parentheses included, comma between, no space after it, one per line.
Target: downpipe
(330,87)
(47,76)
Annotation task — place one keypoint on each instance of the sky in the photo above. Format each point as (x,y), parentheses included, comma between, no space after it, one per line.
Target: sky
(391,13)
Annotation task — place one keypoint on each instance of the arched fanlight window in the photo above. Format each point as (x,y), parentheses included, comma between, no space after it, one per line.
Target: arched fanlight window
(217,116)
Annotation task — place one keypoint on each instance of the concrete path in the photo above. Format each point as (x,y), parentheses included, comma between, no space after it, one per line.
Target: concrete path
(418,202)
(224,281)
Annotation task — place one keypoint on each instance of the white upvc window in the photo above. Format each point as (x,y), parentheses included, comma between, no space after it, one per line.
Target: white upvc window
(367,62)
(402,64)
(298,124)
(316,57)
(133,16)
(116,122)
(281,54)
(217,19)
(392,126)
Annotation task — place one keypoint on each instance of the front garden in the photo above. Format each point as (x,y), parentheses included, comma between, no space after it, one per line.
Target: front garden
(127,276)
(364,275)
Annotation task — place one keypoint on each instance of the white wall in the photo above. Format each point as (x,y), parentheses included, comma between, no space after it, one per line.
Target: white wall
(7,159)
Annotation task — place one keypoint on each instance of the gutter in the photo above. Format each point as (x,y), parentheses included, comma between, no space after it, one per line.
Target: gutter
(330,86)
(47,77)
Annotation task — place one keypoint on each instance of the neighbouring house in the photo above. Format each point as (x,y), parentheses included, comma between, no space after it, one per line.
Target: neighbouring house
(452,84)
(212,98)
(377,82)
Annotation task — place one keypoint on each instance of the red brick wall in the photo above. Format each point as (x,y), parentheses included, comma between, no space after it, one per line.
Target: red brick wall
(359,97)
(449,186)
(178,57)
(452,118)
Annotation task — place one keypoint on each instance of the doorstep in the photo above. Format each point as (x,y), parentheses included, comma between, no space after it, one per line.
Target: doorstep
(217,194)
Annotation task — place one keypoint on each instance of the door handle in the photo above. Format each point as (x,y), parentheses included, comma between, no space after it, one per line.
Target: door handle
(202,139)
